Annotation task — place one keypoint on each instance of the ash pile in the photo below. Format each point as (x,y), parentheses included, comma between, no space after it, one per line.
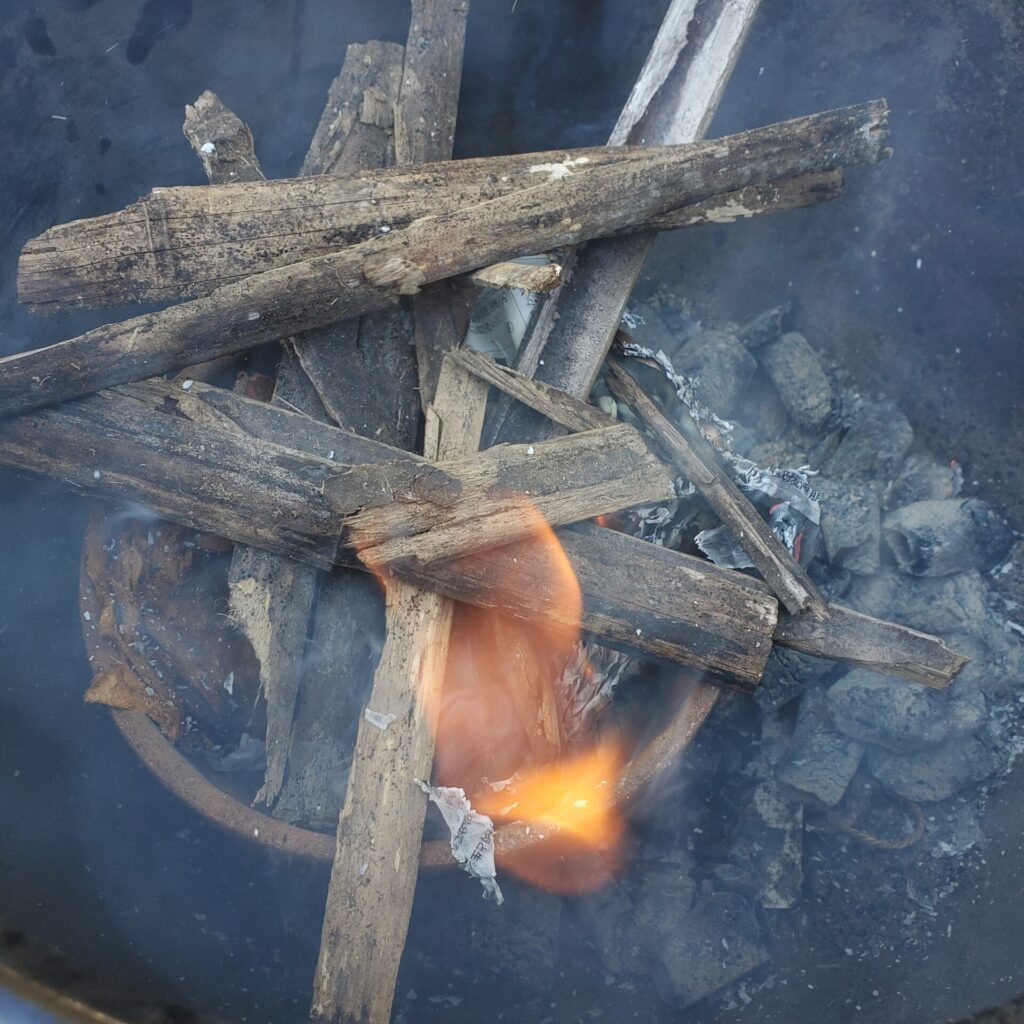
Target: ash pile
(832,786)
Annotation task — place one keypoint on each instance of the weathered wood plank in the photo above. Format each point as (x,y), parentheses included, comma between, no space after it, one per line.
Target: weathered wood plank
(356,128)
(259,493)
(561,211)
(399,513)
(673,102)
(376,858)
(179,243)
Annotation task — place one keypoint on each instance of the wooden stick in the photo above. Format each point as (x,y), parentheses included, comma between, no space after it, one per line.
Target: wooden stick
(562,210)
(564,409)
(222,141)
(356,129)
(872,643)
(270,597)
(673,101)
(399,513)
(376,859)
(258,493)
(248,490)
(188,240)
(696,458)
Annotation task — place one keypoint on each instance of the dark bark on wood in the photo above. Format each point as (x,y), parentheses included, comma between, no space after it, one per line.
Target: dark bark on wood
(364,372)
(222,141)
(182,242)
(356,129)
(697,459)
(559,212)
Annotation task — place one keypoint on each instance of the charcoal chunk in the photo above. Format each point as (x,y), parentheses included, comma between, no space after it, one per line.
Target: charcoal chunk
(787,674)
(800,380)
(895,714)
(940,605)
(876,443)
(850,525)
(723,365)
(719,941)
(770,845)
(821,760)
(937,773)
(922,479)
(1008,578)
(997,660)
(937,538)
(764,328)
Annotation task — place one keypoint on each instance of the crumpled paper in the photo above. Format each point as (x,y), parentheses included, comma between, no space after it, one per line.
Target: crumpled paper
(472,836)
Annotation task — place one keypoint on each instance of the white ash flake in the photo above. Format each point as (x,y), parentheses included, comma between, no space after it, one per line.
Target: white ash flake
(379,718)
(556,172)
(208,149)
(254,315)
(186,385)
(229,684)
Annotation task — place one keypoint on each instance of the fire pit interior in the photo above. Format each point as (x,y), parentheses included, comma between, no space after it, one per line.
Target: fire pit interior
(508,558)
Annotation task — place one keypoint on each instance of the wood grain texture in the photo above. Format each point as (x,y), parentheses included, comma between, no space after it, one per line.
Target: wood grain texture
(561,211)
(222,141)
(377,854)
(464,505)
(369,901)
(376,858)
(182,242)
(673,101)
(256,492)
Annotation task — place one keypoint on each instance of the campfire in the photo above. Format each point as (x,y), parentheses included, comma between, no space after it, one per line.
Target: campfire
(424,553)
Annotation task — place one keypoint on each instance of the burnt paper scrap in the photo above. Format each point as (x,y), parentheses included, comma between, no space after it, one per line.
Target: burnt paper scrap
(472,836)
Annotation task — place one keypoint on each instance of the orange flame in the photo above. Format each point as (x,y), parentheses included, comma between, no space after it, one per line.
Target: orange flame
(500,717)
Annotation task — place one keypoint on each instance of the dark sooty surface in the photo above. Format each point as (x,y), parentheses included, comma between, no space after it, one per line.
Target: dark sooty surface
(97,858)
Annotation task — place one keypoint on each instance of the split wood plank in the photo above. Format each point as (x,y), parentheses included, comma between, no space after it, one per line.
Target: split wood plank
(270,597)
(256,492)
(696,458)
(309,707)
(400,513)
(377,852)
(673,101)
(239,486)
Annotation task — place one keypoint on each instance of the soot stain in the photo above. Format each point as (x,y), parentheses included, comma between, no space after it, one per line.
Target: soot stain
(155,18)
(38,37)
